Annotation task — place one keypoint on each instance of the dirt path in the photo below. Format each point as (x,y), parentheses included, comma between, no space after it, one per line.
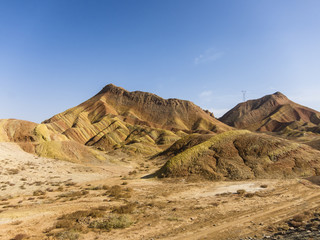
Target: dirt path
(239,226)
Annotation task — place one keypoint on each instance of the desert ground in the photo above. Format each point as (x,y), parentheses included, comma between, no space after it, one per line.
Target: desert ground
(51,199)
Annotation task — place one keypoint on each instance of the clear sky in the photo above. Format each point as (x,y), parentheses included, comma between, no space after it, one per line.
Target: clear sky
(55,54)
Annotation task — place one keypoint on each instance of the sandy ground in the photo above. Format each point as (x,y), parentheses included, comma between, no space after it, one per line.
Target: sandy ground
(23,173)
(164,209)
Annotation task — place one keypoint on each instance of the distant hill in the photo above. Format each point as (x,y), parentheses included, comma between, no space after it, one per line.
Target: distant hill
(273,113)
(134,121)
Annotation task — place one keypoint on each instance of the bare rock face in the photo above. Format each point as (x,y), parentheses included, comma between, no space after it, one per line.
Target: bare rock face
(117,118)
(272,113)
(240,155)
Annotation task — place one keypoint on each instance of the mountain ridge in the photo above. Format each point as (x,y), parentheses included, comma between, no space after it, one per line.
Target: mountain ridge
(117,118)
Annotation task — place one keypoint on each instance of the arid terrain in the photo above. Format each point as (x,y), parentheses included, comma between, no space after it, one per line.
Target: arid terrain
(41,191)
(113,169)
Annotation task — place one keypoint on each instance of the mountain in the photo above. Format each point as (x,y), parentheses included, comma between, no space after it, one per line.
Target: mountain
(134,121)
(273,113)
(240,155)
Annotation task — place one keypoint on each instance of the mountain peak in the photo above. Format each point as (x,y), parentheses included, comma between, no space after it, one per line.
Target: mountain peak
(112,88)
(273,112)
(279,95)
(132,109)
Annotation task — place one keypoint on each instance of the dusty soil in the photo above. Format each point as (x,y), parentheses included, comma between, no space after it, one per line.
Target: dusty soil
(162,209)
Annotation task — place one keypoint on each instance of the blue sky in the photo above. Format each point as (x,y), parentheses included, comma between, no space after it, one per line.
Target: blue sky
(55,54)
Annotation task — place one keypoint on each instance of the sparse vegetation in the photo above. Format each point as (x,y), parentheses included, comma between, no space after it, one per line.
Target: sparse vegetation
(111,222)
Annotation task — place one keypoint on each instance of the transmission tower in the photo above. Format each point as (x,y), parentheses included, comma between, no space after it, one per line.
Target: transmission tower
(244,95)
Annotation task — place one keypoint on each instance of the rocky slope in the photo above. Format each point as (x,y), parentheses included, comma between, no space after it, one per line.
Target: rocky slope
(44,141)
(134,121)
(273,113)
(240,154)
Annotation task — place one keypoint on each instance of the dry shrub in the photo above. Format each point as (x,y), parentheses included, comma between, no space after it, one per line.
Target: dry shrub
(78,215)
(95,188)
(70,184)
(111,222)
(117,192)
(73,194)
(64,223)
(77,221)
(125,209)
(101,208)
(264,186)
(67,235)
(13,171)
(241,191)
(134,172)
(295,224)
(157,204)
(215,204)
(38,193)
(20,236)
(173,218)
(18,222)
(299,218)
(249,195)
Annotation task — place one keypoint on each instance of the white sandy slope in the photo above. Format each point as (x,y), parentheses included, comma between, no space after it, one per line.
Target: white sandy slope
(23,173)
